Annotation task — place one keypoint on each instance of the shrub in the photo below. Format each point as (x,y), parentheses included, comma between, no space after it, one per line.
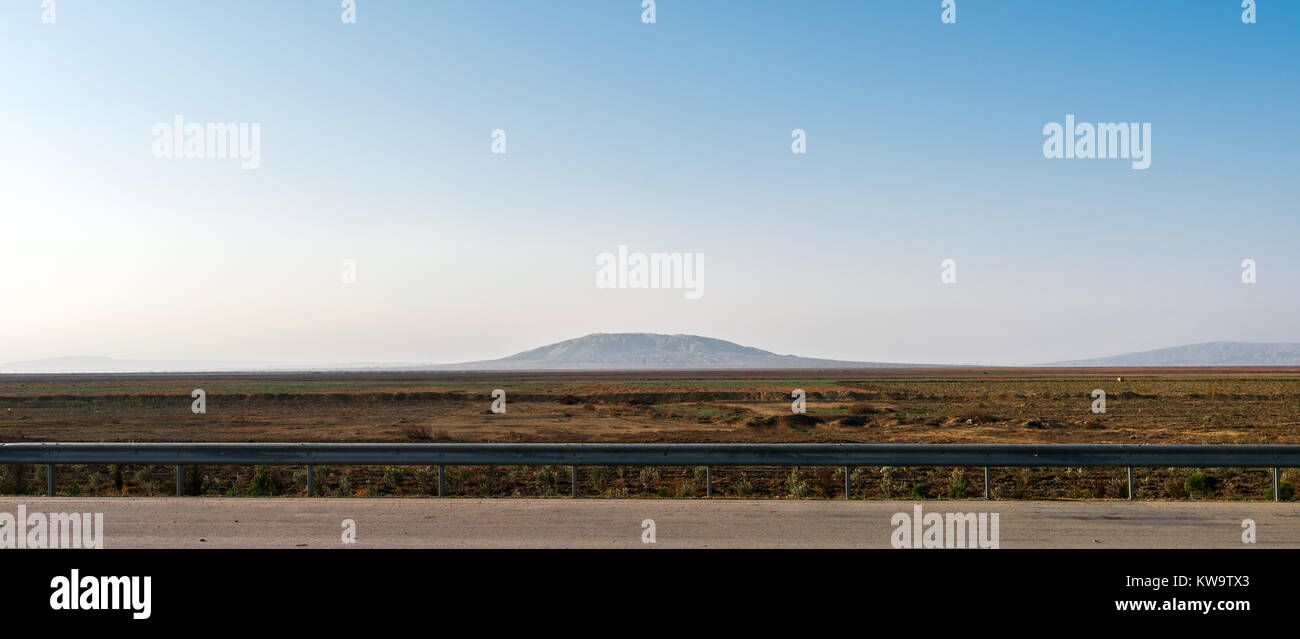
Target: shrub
(957,484)
(742,486)
(977,415)
(598,478)
(1023,479)
(920,491)
(887,485)
(265,482)
(686,490)
(795,486)
(649,477)
(417,432)
(1118,486)
(544,478)
(1286,490)
(1201,483)
(394,475)
(863,408)
(193,480)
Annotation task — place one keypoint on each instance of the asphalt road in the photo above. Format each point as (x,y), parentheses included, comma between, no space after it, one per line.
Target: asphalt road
(161,522)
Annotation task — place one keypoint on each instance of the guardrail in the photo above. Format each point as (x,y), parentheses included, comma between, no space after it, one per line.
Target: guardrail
(707,455)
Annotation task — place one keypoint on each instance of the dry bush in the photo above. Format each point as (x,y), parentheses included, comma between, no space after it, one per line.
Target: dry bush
(977,415)
(800,420)
(417,432)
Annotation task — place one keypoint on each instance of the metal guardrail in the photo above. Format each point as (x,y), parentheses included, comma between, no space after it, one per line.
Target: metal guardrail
(707,455)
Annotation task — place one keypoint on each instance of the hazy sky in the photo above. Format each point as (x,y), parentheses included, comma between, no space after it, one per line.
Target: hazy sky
(924,143)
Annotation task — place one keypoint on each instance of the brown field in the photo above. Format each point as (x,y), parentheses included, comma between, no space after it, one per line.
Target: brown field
(1192,405)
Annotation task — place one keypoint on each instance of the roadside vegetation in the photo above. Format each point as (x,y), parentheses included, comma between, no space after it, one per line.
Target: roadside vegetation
(1236,406)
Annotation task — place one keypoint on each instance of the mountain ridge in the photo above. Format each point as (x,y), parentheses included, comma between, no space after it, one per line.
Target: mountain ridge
(1201,354)
(653,351)
(658,351)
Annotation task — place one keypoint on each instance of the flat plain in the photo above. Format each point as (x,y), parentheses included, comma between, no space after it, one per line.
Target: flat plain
(960,405)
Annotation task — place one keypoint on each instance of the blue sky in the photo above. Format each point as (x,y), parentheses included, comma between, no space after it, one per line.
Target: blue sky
(924,143)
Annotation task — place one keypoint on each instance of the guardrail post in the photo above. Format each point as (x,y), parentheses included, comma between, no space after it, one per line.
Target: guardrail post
(848,493)
(708,481)
(1130,483)
(49,479)
(988,490)
(442,479)
(1277,487)
(311,484)
(573,482)
(180,480)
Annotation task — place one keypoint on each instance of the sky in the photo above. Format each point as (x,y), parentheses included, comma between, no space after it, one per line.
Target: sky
(924,142)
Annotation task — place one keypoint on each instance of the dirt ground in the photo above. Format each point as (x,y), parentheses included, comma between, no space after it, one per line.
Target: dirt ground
(1191,405)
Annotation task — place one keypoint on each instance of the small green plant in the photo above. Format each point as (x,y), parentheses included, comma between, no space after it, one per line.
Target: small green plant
(1286,490)
(887,481)
(544,479)
(957,484)
(1117,486)
(1023,479)
(687,490)
(490,485)
(921,491)
(795,486)
(262,486)
(394,475)
(598,477)
(1201,484)
(742,486)
(649,477)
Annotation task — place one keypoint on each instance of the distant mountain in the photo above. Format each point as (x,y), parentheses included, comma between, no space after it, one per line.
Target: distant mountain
(1205,354)
(601,351)
(652,351)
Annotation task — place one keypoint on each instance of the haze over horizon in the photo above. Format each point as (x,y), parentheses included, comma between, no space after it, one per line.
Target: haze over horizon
(672,137)
(656,351)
